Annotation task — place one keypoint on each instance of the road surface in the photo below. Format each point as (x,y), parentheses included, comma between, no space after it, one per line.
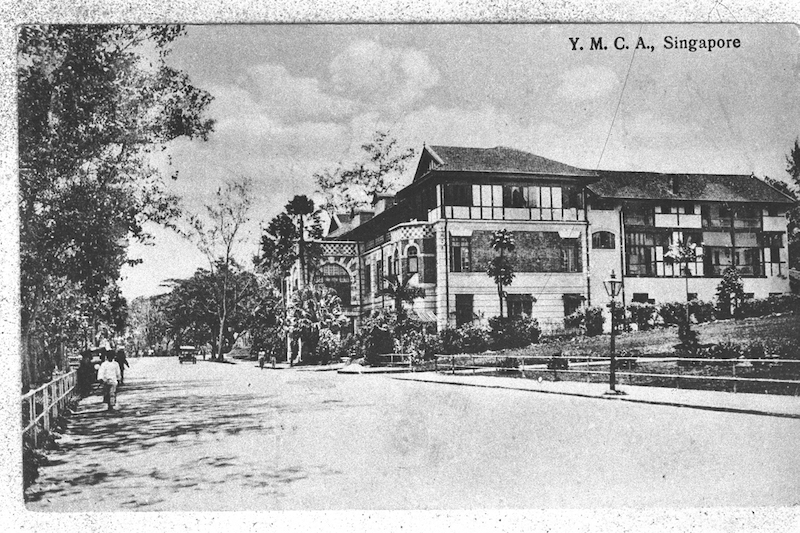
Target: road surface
(214,437)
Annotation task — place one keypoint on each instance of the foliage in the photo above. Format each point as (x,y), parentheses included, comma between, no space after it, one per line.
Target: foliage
(593,321)
(217,235)
(194,306)
(513,332)
(348,188)
(672,313)
(148,321)
(420,345)
(95,102)
(644,315)
(730,292)
(289,237)
(702,311)
(733,349)
(500,268)
(449,341)
(475,338)
(399,289)
(376,336)
(785,303)
(310,313)
(791,190)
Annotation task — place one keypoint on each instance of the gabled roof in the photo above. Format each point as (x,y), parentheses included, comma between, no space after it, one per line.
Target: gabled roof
(377,225)
(695,187)
(500,159)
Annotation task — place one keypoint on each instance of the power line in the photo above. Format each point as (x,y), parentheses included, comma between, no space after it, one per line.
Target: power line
(622,92)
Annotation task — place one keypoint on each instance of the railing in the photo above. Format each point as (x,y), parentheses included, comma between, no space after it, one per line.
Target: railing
(45,404)
(568,365)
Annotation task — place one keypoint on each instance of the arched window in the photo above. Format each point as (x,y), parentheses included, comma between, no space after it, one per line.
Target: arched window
(396,263)
(337,278)
(603,240)
(413,260)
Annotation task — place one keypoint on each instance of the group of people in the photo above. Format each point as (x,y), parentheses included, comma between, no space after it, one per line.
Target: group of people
(111,373)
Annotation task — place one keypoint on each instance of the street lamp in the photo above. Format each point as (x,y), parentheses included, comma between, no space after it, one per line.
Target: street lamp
(613,286)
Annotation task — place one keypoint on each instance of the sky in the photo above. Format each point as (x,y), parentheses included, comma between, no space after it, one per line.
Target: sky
(292,100)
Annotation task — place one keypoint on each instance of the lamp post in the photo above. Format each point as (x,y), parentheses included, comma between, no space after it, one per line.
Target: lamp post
(613,286)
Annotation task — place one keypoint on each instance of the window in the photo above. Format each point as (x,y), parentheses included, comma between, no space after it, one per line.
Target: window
(519,304)
(394,266)
(573,198)
(640,297)
(368,279)
(379,274)
(337,278)
(457,194)
(429,269)
(514,196)
(463,309)
(688,209)
(642,253)
(603,240)
(666,209)
(638,215)
(569,256)
(413,260)
(459,254)
(773,242)
(572,302)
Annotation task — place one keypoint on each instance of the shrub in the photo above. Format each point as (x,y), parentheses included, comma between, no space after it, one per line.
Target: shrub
(448,341)
(702,311)
(643,315)
(672,313)
(733,350)
(513,332)
(785,303)
(328,346)
(593,321)
(474,338)
(32,459)
(730,292)
(576,320)
(418,344)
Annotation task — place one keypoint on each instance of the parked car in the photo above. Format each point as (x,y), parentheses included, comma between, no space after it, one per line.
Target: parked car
(187,354)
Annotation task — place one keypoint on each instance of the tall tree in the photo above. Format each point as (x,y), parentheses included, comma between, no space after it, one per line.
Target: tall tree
(791,189)
(350,187)
(301,209)
(94,103)
(500,268)
(218,234)
(399,288)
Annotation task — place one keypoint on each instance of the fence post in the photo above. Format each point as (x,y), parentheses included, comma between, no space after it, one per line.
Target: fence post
(733,368)
(522,367)
(453,364)
(473,364)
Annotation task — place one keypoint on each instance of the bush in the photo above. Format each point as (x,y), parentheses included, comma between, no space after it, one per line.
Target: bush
(702,311)
(576,320)
(644,315)
(672,313)
(785,303)
(448,341)
(593,321)
(733,350)
(328,347)
(419,345)
(513,332)
(32,459)
(474,338)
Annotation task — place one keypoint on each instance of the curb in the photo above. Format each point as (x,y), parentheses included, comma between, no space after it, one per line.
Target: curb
(617,398)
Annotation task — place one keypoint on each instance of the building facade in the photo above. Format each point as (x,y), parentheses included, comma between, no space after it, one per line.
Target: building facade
(572,228)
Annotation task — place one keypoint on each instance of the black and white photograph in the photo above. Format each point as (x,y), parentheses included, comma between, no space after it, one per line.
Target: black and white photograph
(407,267)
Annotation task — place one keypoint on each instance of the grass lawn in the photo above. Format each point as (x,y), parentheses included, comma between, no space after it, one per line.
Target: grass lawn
(660,342)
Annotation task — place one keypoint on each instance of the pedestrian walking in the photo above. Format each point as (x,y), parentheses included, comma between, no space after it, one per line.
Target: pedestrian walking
(109,375)
(262,357)
(122,361)
(85,374)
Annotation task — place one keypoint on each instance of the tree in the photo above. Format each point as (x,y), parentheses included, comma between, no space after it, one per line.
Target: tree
(307,226)
(218,235)
(684,253)
(148,321)
(399,288)
(791,190)
(730,291)
(94,103)
(193,306)
(500,268)
(310,312)
(347,188)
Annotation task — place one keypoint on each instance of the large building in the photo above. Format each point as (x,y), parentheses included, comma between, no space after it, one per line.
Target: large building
(572,228)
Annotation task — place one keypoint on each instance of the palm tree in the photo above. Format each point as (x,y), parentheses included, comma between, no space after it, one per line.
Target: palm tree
(401,291)
(500,268)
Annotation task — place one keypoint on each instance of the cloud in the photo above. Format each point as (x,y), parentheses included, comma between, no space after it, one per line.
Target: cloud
(587,83)
(375,74)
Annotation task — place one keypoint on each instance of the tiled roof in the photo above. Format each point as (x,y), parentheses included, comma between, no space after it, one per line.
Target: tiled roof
(501,159)
(698,187)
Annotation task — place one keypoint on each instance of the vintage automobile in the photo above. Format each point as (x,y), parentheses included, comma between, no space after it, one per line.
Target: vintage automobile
(187,354)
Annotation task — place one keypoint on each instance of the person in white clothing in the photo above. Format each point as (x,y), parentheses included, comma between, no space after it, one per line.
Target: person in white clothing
(110,375)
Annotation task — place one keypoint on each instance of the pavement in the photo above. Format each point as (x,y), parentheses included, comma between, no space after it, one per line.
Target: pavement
(757,404)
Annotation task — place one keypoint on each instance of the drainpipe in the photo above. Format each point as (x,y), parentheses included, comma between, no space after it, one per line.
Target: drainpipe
(622,262)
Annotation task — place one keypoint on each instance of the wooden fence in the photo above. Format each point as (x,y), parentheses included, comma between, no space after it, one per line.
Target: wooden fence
(40,407)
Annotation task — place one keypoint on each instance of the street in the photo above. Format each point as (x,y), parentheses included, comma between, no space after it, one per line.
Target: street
(214,437)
